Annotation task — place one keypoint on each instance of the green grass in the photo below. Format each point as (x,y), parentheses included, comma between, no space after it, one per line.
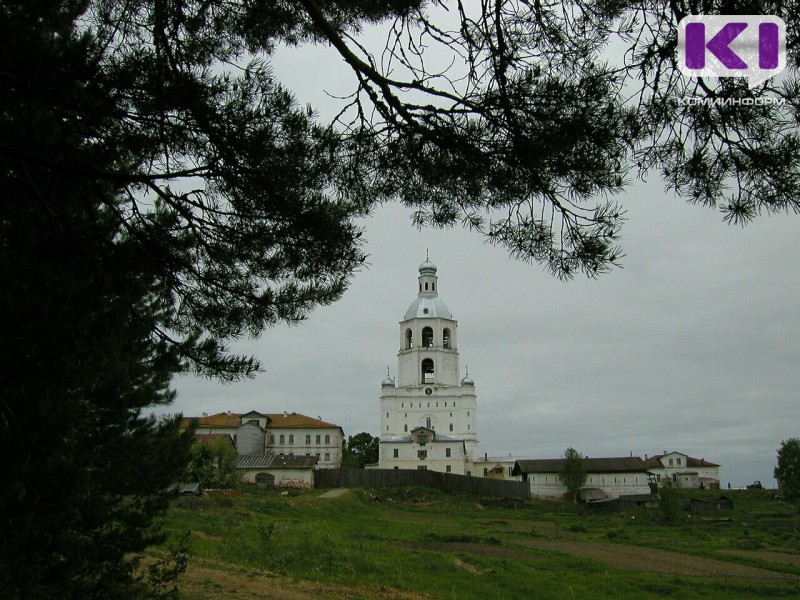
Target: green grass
(449,546)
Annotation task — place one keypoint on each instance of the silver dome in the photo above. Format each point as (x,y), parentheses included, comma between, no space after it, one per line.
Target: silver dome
(423,308)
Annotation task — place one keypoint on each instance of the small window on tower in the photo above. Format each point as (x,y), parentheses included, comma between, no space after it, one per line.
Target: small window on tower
(446,338)
(409,339)
(427,372)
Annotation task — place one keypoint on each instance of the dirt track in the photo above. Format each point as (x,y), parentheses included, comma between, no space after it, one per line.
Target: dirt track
(206,579)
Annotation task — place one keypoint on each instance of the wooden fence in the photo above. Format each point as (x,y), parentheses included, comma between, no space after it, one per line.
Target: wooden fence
(378,478)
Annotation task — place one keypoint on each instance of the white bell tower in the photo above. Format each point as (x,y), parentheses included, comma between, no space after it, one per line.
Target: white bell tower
(428,392)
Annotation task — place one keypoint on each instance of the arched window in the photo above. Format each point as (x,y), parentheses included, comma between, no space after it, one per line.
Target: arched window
(427,371)
(282,439)
(409,341)
(428,422)
(427,337)
(426,286)
(446,338)
(308,440)
(291,439)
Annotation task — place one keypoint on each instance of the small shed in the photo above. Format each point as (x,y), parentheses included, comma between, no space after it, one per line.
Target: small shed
(711,505)
(279,470)
(187,489)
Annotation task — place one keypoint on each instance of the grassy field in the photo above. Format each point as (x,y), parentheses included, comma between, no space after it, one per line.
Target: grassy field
(421,543)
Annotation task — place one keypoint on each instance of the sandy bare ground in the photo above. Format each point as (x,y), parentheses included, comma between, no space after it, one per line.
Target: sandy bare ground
(630,558)
(208,579)
(651,560)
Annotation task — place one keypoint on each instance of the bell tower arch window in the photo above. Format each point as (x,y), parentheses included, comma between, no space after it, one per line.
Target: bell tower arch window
(446,338)
(427,337)
(409,341)
(427,370)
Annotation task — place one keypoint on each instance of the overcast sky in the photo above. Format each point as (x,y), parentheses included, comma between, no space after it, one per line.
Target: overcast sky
(692,346)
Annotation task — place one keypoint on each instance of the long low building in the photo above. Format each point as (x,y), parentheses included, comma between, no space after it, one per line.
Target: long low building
(605,477)
(290,434)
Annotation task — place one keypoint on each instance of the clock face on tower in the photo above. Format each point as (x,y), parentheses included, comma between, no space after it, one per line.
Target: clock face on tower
(428,391)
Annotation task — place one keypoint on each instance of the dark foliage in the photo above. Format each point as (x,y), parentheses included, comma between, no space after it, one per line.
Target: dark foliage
(359,450)
(787,471)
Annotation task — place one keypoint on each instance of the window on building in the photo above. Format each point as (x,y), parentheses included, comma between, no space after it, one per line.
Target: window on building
(426,286)
(427,337)
(422,440)
(678,461)
(272,439)
(308,440)
(485,471)
(291,439)
(328,438)
(396,468)
(396,453)
(405,427)
(319,440)
(451,426)
(422,454)
(428,422)
(447,452)
(327,457)
(446,338)
(674,478)
(409,339)
(422,468)
(387,415)
(282,439)
(317,455)
(427,372)
(448,469)
(670,462)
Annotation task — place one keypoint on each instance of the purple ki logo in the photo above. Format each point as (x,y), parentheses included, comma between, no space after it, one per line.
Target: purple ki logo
(752,46)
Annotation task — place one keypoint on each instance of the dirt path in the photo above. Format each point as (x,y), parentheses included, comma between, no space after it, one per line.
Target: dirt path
(628,558)
(651,560)
(208,579)
(335,493)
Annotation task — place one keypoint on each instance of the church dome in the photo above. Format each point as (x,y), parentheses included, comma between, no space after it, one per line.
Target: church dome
(467,380)
(422,308)
(388,382)
(427,268)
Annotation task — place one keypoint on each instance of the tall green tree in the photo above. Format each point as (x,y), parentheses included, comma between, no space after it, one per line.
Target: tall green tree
(573,472)
(787,471)
(214,465)
(361,449)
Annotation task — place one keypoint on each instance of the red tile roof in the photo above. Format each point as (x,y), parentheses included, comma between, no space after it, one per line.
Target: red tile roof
(655,461)
(277,420)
